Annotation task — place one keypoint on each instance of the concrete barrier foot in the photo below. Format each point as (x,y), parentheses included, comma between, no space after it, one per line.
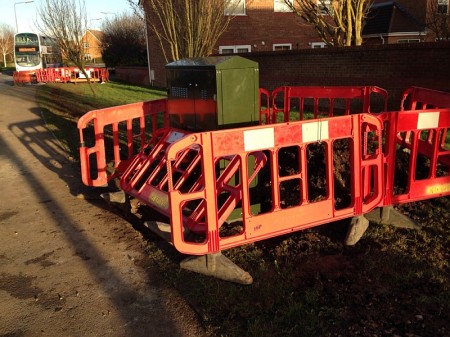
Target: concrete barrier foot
(218,266)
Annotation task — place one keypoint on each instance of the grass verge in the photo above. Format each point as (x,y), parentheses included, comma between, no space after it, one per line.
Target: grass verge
(63,103)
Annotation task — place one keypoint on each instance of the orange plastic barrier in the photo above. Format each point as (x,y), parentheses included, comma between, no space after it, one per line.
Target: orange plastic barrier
(325,101)
(23,77)
(225,188)
(426,152)
(418,140)
(278,214)
(422,98)
(71,74)
(102,134)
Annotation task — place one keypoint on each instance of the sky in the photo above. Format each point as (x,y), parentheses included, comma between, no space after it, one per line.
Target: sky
(26,12)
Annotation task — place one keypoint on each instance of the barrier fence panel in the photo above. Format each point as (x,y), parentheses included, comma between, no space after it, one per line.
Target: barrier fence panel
(415,98)
(418,155)
(318,102)
(264,106)
(24,77)
(71,74)
(115,135)
(260,182)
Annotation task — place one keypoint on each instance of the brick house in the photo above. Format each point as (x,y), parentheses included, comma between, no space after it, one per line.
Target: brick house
(402,21)
(390,22)
(92,46)
(269,25)
(266,25)
(258,25)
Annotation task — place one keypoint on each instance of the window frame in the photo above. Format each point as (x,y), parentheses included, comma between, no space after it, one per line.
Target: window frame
(235,48)
(281,45)
(442,6)
(409,40)
(314,45)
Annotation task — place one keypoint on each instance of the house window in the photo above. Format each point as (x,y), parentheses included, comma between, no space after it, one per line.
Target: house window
(282,46)
(87,57)
(325,7)
(235,49)
(442,6)
(85,45)
(235,7)
(408,41)
(281,6)
(318,45)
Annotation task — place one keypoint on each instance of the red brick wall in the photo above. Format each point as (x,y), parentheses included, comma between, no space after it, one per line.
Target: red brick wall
(157,62)
(261,27)
(134,75)
(392,67)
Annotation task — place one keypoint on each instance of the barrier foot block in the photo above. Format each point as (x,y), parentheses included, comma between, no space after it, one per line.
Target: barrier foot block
(117,197)
(161,229)
(218,266)
(390,216)
(357,228)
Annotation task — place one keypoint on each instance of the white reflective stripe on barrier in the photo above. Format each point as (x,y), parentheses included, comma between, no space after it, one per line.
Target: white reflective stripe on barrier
(259,139)
(428,120)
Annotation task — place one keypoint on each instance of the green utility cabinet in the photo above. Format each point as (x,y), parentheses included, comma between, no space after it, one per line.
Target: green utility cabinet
(212,93)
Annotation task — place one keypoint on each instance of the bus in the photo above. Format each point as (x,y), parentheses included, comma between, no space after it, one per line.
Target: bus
(33,51)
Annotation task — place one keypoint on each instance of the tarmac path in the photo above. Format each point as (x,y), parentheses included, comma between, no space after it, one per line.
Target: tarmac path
(69,267)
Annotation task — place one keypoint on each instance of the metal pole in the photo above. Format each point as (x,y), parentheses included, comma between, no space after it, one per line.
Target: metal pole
(150,80)
(15,14)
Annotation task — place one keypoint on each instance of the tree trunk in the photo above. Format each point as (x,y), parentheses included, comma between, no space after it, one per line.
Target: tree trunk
(359,15)
(349,33)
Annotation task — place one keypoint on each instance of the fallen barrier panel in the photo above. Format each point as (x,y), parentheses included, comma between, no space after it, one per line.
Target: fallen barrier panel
(325,101)
(115,135)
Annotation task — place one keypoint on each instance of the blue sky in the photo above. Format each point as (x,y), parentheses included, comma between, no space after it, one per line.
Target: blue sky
(26,12)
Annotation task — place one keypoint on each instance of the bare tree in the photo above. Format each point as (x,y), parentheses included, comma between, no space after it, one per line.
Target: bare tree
(123,41)
(6,41)
(438,19)
(66,21)
(338,22)
(187,28)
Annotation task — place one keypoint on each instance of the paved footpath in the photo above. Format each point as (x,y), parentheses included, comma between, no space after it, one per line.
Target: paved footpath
(68,267)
